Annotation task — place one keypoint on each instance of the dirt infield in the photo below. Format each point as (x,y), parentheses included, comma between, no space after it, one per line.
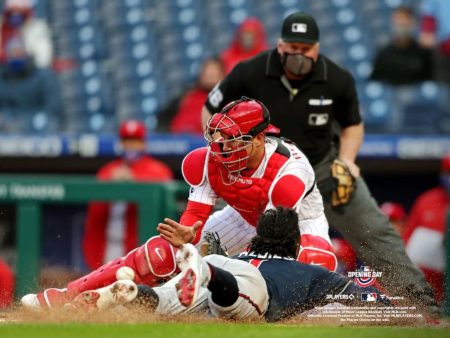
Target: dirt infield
(122,315)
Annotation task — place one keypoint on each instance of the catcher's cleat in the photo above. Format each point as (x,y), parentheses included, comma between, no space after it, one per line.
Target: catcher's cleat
(196,273)
(118,293)
(49,299)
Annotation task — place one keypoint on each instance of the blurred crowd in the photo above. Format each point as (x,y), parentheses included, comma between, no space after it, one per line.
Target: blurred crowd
(412,69)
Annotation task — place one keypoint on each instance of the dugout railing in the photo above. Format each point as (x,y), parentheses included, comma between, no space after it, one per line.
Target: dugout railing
(29,193)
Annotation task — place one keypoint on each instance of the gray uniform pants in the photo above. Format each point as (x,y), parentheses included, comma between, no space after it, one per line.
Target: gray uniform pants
(373,238)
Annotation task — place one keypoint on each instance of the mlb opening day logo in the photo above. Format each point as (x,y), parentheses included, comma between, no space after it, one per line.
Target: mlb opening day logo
(365,276)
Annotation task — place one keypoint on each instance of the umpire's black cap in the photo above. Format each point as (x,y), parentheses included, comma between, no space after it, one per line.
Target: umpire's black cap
(300,27)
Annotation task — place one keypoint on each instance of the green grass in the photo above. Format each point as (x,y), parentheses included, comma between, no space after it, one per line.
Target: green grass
(181,330)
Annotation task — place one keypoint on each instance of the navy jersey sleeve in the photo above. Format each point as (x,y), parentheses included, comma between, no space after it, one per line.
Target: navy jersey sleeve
(229,89)
(325,282)
(347,105)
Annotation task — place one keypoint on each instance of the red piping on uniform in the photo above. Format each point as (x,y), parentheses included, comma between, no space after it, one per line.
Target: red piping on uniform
(251,303)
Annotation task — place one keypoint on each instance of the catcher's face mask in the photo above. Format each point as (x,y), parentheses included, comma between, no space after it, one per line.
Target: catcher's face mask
(228,146)
(230,133)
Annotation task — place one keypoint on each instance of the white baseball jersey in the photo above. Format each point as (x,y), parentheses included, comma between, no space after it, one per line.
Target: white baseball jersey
(235,232)
(253,295)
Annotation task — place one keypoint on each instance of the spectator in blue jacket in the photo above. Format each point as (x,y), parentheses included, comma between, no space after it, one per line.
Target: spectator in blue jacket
(29,96)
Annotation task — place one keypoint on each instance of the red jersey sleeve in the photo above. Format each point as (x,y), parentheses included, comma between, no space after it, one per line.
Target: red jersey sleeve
(194,212)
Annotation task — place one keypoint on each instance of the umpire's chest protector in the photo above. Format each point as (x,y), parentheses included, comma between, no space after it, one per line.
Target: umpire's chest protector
(247,195)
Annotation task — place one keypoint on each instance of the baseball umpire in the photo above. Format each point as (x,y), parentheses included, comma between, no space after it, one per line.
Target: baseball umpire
(309,95)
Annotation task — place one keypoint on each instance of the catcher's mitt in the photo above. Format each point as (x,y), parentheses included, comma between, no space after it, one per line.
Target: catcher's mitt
(212,245)
(345,183)
(340,186)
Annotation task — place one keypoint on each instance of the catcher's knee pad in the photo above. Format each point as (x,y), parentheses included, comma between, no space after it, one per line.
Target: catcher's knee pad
(156,257)
(148,264)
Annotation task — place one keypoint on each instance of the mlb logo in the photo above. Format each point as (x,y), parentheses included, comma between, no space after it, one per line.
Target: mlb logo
(318,119)
(365,268)
(369,297)
(299,28)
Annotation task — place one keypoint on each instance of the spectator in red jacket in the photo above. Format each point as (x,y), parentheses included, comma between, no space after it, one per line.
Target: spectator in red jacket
(426,228)
(183,115)
(249,40)
(111,229)
(7,282)
(396,214)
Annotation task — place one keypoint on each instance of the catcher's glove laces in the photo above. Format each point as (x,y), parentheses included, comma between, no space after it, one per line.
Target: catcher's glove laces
(340,186)
(212,245)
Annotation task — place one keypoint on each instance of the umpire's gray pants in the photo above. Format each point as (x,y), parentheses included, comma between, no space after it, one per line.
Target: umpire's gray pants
(368,230)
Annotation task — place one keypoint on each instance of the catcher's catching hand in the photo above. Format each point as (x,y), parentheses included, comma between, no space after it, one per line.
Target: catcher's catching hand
(212,245)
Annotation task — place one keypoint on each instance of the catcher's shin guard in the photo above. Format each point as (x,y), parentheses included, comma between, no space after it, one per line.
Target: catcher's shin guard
(148,264)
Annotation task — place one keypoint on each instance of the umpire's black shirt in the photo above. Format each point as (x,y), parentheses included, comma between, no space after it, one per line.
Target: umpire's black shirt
(303,110)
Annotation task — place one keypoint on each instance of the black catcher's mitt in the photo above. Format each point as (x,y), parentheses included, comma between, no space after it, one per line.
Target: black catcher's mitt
(345,183)
(340,186)
(212,245)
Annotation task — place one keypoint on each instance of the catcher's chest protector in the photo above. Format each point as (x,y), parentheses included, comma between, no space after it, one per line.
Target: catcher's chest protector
(248,196)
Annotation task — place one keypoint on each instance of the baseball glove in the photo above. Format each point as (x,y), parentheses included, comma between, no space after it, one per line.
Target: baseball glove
(212,245)
(338,189)
(345,183)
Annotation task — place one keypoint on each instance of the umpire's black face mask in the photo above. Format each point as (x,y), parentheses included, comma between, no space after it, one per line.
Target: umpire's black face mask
(297,64)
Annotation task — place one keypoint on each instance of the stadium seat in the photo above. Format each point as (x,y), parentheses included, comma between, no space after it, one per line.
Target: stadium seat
(376,102)
(138,54)
(422,107)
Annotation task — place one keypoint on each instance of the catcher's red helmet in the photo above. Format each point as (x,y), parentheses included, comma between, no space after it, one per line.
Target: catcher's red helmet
(237,122)
(242,117)
(132,129)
